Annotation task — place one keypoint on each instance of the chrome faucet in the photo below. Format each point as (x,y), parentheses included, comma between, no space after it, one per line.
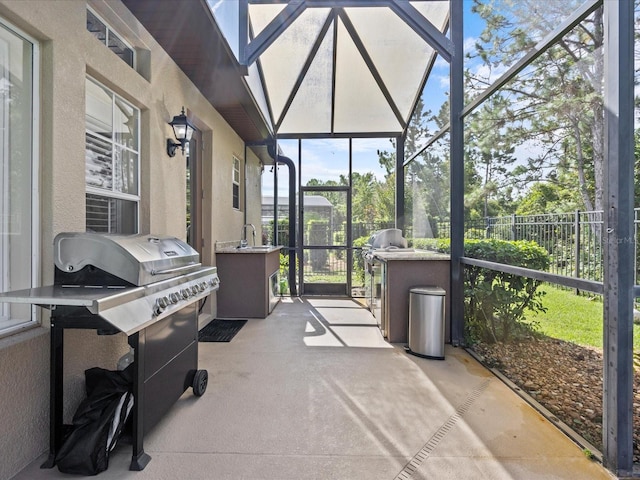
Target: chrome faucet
(243,234)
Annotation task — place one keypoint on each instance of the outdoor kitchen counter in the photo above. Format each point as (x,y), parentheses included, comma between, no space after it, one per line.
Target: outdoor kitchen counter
(252,250)
(248,281)
(390,255)
(403,271)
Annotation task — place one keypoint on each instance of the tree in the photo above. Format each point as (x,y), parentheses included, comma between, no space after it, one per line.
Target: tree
(372,200)
(365,206)
(555,108)
(491,153)
(548,197)
(426,177)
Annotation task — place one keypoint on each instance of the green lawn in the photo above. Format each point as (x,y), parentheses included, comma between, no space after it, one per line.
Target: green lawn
(574,318)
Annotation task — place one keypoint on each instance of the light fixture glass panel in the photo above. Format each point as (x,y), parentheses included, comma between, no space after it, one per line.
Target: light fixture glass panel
(188,133)
(360,106)
(310,111)
(180,132)
(283,61)
(399,54)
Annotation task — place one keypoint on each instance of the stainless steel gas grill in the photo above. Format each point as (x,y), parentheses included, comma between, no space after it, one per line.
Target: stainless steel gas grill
(146,286)
(386,240)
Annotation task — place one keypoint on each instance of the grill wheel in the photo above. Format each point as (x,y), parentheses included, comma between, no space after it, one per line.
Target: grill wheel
(200,380)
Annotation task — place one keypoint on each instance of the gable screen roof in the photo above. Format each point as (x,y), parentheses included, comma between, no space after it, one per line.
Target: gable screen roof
(338,68)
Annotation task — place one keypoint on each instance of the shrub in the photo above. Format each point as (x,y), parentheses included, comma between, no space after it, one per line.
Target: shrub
(434,244)
(283,232)
(318,234)
(358,260)
(284,273)
(495,302)
(339,238)
(477,233)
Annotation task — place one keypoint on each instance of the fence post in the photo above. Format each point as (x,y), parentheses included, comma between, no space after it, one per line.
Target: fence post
(635,248)
(513,227)
(578,246)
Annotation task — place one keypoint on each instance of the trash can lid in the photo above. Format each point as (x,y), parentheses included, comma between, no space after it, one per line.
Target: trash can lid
(428,290)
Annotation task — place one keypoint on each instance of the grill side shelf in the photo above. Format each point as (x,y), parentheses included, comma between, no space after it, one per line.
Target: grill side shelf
(93,298)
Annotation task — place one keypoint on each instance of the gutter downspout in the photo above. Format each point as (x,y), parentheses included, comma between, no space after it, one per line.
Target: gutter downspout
(281,159)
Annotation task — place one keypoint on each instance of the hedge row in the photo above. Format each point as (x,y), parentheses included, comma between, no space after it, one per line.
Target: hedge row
(495,302)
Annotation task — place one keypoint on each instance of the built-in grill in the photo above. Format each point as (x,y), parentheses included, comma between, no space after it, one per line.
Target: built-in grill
(148,287)
(389,239)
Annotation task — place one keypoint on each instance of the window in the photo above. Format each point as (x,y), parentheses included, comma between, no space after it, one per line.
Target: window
(236,183)
(106,35)
(19,215)
(112,161)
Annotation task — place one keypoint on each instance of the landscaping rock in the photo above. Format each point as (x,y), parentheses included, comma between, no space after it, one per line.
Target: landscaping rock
(564,377)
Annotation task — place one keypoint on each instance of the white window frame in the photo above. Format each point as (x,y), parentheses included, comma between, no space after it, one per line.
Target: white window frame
(236,172)
(112,193)
(112,31)
(34,318)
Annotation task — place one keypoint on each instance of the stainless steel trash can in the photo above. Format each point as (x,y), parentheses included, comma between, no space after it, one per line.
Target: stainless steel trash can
(426,322)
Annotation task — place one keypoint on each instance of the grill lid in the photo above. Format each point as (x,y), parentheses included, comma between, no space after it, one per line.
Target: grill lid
(137,259)
(390,237)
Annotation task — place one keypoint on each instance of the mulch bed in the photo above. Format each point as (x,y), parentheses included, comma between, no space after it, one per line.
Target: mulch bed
(565,378)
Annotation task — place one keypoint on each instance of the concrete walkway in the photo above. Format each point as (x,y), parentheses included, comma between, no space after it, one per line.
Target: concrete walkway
(314,392)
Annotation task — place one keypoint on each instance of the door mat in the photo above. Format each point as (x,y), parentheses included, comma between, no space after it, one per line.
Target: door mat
(220,330)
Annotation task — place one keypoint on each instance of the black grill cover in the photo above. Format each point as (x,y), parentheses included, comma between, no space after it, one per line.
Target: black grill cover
(98,422)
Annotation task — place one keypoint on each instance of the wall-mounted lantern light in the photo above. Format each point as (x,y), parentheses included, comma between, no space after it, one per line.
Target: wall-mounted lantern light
(182,130)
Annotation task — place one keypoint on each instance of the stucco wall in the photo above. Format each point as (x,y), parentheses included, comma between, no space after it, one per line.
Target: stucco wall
(254,194)
(68,54)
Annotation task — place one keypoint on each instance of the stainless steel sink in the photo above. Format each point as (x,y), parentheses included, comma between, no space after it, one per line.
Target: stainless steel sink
(396,249)
(257,248)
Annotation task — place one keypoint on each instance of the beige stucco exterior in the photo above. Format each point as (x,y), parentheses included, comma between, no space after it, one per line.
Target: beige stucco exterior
(159,88)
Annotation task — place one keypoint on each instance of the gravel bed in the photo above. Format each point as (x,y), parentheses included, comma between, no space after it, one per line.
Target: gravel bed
(565,378)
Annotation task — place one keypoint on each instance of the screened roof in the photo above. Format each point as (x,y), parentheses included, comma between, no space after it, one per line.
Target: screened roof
(336,68)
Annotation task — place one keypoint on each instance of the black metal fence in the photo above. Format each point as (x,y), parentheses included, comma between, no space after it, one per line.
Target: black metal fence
(328,265)
(573,240)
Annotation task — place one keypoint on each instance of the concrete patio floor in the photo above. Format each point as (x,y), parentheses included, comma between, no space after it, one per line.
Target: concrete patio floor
(314,392)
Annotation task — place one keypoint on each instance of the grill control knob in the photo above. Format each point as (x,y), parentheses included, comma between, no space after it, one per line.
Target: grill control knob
(194,290)
(184,293)
(160,306)
(202,286)
(173,298)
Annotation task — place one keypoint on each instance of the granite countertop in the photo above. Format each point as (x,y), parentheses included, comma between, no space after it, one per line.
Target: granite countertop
(264,249)
(391,255)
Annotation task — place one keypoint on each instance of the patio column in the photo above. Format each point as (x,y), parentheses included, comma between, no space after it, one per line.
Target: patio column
(618,237)
(400,180)
(456,146)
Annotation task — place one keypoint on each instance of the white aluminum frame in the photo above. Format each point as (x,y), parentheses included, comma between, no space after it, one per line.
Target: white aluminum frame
(35,257)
